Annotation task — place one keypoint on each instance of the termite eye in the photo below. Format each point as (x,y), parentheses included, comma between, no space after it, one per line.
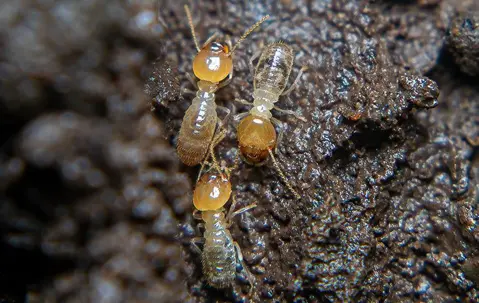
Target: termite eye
(212,192)
(256,136)
(213,63)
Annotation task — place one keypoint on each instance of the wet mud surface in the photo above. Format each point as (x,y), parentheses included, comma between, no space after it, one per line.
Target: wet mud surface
(96,207)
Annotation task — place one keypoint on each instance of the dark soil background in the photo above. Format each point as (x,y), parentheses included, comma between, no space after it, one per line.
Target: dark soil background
(96,207)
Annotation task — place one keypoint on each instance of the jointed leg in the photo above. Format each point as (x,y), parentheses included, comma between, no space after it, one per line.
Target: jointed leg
(227,111)
(249,275)
(232,168)
(242,210)
(290,112)
(232,212)
(295,83)
(192,80)
(228,41)
(197,214)
(250,62)
(227,81)
(243,101)
(197,240)
(280,126)
(200,227)
(239,116)
(186,91)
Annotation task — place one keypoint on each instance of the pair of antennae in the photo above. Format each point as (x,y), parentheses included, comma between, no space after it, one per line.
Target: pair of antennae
(249,31)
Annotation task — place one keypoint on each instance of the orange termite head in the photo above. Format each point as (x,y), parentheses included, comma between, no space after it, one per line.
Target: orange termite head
(256,137)
(212,192)
(213,63)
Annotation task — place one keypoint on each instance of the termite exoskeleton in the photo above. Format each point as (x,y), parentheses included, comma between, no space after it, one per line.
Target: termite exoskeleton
(256,134)
(213,66)
(221,253)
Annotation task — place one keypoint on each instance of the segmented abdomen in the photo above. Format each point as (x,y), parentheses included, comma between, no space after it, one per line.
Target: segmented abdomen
(273,68)
(219,255)
(197,129)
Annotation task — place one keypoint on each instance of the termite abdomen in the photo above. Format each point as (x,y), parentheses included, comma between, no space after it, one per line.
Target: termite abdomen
(219,254)
(273,68)
(197,129)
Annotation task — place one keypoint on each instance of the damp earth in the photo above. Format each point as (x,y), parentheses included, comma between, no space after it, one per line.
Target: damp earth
(96,207)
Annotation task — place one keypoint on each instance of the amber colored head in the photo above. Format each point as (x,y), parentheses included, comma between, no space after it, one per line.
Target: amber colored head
(212,192)
(213,63)
(256,136)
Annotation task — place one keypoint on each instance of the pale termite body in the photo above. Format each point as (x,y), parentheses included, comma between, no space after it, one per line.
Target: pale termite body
(219,253)
(198,126)
(256,134)
(213,66)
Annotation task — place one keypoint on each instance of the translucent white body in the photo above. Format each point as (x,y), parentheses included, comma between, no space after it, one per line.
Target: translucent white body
(219,254)
(198,127)
(271,76)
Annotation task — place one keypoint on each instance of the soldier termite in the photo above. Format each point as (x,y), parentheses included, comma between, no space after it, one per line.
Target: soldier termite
(221,253)
(256,134)
(213,66)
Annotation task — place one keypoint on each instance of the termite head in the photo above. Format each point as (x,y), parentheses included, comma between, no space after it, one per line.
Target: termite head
(256,137)
(213,63)
(212,192)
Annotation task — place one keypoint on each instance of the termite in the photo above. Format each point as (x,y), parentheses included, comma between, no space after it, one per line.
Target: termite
(256,134)
(221,253)
(213,66)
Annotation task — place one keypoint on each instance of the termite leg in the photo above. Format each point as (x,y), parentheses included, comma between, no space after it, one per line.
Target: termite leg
(290,112)
(187,91)
(195,240)
(240,211)
(243,101)
(232,168)
(211,38)
(227,111)
(250,62)
(192,80)
(249,275)
(197,214)
(280,126)
(295,83)
(200,227)
(227,81)
(159,18)
(232,213)
(240,116)
(283,176)
(228,41)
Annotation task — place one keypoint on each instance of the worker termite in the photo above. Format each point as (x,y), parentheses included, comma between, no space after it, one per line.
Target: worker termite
(213,66)
(256,133)
(221,253)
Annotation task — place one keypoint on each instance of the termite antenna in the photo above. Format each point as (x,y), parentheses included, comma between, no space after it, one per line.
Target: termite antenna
(159,18)
(211,154)
(236,163)
(216,140)
(283,177)
(192,27)
(249,31)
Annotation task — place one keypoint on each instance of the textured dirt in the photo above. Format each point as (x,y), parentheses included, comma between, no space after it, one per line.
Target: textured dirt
(95,206)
